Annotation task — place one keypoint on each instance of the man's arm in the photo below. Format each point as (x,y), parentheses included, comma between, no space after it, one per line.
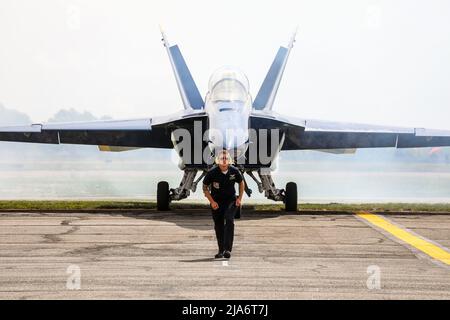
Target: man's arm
(241,193)
(208,195)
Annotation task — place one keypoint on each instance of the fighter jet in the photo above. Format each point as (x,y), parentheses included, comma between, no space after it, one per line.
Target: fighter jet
(227,118)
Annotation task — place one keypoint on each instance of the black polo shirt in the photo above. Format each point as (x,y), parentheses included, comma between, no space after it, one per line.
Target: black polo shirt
(222,185)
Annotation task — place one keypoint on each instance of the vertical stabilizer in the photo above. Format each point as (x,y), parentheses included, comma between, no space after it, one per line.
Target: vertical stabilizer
(186,85)
(268,91)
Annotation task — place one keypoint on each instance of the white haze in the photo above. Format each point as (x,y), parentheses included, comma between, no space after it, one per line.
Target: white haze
(369,61)
(364,61)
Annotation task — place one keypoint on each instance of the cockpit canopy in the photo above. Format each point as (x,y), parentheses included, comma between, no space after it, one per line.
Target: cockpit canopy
(228,85)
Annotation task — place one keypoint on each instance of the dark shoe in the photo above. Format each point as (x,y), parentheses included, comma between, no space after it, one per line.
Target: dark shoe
(218,255)
(227,254)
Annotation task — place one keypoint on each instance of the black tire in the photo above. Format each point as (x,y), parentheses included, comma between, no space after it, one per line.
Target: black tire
(290,200)
(162,196)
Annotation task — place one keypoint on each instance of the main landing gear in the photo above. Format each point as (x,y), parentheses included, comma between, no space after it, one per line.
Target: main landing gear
(164,195)
(265,184)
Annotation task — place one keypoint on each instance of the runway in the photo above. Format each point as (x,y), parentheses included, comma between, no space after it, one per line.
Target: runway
(167,255)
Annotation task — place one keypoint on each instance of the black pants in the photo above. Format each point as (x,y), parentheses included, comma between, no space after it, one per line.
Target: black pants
(224,224)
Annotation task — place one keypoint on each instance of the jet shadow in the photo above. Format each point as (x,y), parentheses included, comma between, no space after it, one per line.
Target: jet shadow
(199,219)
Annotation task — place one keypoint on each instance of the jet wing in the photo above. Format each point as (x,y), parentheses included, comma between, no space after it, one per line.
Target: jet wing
(136,133)
(303,134)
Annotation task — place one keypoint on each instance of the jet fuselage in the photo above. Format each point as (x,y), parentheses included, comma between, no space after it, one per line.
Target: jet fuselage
(228,106)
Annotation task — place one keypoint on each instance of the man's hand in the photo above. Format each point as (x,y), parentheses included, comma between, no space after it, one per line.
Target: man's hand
(241,193)
(214,205)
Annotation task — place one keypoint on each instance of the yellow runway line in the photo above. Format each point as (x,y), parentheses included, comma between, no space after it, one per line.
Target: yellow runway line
(420,244)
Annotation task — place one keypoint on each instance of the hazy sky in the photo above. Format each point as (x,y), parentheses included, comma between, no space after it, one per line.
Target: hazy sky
(384,62)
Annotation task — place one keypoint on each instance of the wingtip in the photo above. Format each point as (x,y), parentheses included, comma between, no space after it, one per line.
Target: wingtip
(163,36)
(292,40)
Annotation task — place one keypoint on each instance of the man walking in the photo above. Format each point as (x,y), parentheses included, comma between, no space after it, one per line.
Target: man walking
(218,187)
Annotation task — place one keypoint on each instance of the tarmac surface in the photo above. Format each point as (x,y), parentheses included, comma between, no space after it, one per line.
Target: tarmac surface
(168,255)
